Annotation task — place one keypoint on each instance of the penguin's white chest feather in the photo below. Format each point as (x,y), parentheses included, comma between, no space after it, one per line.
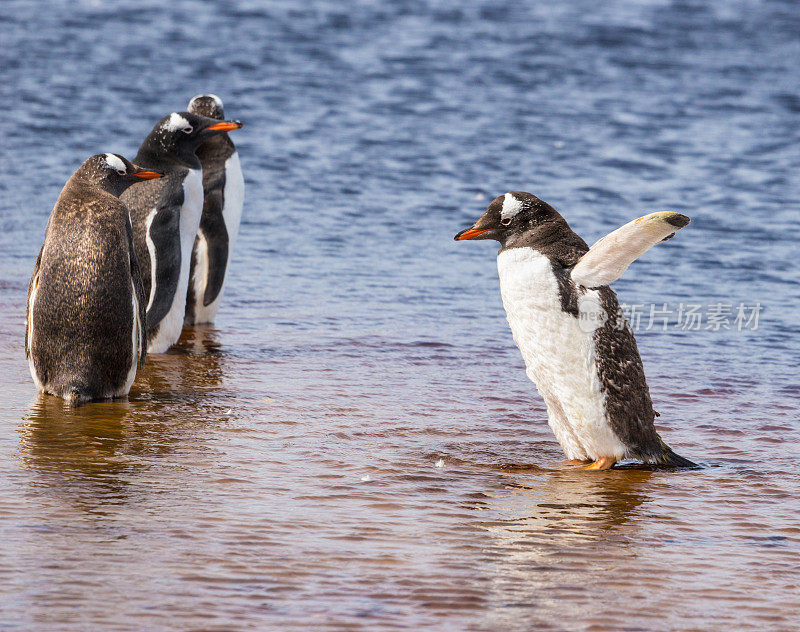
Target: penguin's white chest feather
(169,329)
(136,332)
(234,198)
(191,211)
(559,355)
(29,324)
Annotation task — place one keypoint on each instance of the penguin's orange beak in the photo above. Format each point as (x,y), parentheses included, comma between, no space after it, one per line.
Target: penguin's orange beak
(225,126)
(470,233)
(484,224)
(147,175)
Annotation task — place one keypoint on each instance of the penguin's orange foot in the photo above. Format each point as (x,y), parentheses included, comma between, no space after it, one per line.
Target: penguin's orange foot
(603,463)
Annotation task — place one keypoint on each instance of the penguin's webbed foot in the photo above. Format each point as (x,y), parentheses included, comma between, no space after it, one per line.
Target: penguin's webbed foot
(603,463)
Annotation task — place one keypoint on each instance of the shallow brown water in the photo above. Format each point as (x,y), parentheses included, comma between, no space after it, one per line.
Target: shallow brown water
(211,502)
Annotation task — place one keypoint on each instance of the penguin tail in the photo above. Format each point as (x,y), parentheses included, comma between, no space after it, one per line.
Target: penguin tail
(75,396)
(669,458)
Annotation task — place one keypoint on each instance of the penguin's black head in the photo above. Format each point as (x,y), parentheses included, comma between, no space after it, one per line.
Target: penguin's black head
(510,217)
(209,105)
(181,133)
(113,173)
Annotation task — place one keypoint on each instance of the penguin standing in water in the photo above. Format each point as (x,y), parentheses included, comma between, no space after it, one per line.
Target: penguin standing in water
(223,196)
(166,215)
(578,347)
(85,330)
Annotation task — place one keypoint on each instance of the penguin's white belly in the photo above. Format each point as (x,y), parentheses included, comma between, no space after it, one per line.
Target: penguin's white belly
(169,329)
(559,355)
(136,332)
(233,200)
(29,350)
(202,313)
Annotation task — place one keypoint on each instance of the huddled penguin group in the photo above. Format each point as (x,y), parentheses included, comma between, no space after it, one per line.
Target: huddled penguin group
(112,279)
(135,251)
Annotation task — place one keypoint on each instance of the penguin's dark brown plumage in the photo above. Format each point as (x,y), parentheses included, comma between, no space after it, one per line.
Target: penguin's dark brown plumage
(85,333)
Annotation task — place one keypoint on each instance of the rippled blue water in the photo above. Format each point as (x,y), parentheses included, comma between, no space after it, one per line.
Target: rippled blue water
(357,339)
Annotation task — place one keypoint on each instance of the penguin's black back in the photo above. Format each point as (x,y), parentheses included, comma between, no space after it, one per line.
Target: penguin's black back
(621,372)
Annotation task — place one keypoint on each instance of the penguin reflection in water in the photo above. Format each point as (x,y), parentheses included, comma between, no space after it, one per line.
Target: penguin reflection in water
(85,332)
(166,216)
(578,347)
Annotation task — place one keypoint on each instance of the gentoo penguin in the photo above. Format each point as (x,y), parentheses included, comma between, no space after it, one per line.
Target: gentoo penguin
(166,215)
(85,332)
(223,195)
(578,346)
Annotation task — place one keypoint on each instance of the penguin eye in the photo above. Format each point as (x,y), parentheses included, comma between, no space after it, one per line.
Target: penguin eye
(188,129)
(505,221)
(121,172)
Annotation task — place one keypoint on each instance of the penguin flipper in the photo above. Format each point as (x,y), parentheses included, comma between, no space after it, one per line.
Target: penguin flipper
(216,236)
(608,258)
(164,233)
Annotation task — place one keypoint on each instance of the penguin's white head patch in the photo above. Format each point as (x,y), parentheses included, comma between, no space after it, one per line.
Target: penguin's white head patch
(177,122)
(115,163)
(511,206)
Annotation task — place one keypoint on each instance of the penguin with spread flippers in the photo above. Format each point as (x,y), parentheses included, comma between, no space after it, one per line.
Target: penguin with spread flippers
(578,347)
(85,330)
(223,196)
(166,215)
